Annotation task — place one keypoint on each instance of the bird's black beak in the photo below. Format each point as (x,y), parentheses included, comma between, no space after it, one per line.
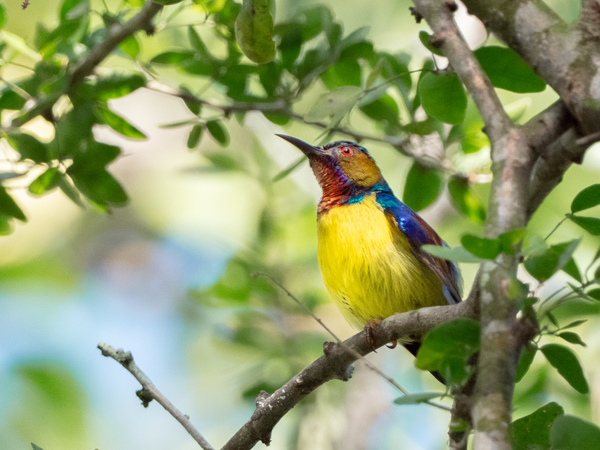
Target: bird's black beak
(307,149)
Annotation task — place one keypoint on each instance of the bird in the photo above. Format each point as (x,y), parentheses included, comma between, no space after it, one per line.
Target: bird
(369,242)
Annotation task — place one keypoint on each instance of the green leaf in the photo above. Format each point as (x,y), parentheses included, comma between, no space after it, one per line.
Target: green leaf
(167,2)
(118,85)
(396,71)
(423,186)
(172,57)
(571,337)
(278,119)
(374,74)
(98,185)
(443,97)
(464,199)
(45,182)
(5,227)
(565,361)
(383,109)
(448,347)
(589,224)
(507,70)
(119,124)
(458,254)
(532,432)
(357,50)
(588,198)
(11,100)
(222,162)
(573,433)
(68,6)
(197,43)
(481,247)
(574,324)
(9,207)
(67,188)
(542,266)
(572,270)
(336,103)
(2,15)
(511,239)
(344,73)
(525,359)
(415,399)
(318,18)
(424,38)
(536,246)
(95,156)
(194,136)
(291,43)
(18,44)
(130,46)
(594,293)
(218,131)
(28,147)
(254,31)
(194,106)
(423,127)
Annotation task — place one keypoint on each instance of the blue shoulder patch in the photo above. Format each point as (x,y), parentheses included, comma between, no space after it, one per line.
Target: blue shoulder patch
(406,217)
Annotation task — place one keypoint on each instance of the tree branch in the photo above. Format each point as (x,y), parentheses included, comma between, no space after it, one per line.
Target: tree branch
(150,392)
(117,34)
(547,126)
(281,107)
(334,365)
(567,57)
(550,167)
(512,159)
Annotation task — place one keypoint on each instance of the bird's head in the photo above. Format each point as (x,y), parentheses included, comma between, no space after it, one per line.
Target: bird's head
(342,168)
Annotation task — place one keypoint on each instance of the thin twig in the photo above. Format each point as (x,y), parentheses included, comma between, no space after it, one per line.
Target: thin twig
(589,139)
(555,228)
(340,342)
(277,107)
(150,391)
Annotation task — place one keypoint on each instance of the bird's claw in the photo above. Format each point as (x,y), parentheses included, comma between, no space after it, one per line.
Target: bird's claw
(370,332)
(392,344)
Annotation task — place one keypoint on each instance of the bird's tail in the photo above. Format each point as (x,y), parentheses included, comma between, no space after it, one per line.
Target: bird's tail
(413,347)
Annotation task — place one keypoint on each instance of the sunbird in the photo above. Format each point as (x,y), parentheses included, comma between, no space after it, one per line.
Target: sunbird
(369,242)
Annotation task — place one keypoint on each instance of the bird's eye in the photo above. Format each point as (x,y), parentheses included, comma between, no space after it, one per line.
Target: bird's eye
(346,151)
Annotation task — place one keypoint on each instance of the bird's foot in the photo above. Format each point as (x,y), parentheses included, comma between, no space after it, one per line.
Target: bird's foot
(370,332)
(392,344)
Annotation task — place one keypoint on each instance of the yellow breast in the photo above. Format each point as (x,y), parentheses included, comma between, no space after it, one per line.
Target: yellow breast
(368,267)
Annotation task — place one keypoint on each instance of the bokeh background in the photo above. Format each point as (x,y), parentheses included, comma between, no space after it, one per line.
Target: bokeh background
(168,277)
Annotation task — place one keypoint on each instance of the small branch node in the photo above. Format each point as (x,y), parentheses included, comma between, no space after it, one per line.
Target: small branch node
(329,348)
(145,396)
(260,399)
(417,14)
(451,5)
(266,439)
(436,40)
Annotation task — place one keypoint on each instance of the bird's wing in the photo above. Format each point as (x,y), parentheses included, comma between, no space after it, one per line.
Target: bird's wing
(420,233)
